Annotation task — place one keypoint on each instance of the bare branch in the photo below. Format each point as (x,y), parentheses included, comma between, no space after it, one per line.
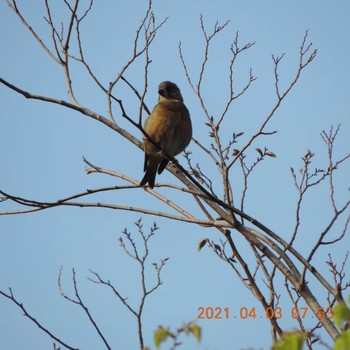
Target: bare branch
(281,96)
(236,50)
(78,108)
(141,259)
(55,36)
(13,6)
(78,301)
(149,37)
(71,22)
(11,297)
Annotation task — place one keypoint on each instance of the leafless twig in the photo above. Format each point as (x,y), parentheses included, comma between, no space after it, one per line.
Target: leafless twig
(11,297)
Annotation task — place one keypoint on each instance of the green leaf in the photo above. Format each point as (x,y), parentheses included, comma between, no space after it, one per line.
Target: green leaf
(343,342)
(160,336)
(196,331)
(341,314)
(202,243)
(290,341)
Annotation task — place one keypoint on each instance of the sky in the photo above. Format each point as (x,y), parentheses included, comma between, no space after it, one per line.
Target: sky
(42,148)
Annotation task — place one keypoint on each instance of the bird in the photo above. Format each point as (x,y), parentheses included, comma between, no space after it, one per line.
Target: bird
(169,126)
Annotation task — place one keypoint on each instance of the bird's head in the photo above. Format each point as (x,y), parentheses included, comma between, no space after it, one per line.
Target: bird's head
(169,91)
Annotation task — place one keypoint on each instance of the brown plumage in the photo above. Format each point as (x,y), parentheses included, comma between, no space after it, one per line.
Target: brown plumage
(169,126)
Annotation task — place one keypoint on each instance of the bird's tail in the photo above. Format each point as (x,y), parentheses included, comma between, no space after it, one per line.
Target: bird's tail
(163,165)
(151,172)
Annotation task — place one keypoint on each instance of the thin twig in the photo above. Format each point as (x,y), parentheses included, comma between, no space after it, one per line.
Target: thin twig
(11,297)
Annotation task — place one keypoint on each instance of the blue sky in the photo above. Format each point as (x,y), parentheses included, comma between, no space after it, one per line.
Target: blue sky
(42,145)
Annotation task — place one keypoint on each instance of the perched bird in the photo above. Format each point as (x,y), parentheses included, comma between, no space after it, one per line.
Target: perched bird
(169,126)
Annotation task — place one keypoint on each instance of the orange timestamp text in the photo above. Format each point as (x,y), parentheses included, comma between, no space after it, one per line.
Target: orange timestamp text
(218,313)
